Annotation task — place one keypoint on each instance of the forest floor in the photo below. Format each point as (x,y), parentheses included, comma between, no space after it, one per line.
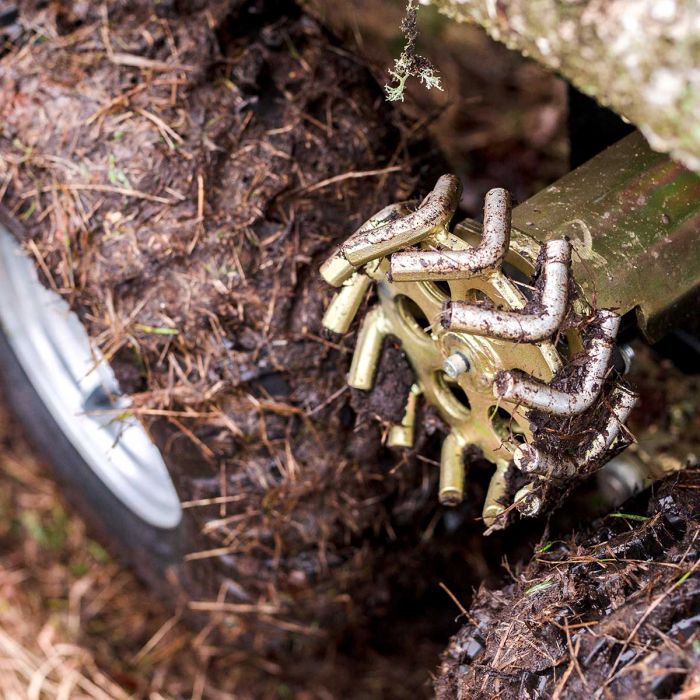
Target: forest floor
(73,622)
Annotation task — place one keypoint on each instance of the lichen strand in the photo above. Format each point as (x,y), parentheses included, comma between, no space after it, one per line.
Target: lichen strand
(410,63)
(639,57)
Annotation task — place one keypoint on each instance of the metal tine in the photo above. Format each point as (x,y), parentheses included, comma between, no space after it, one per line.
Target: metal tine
(533,394)
(451,489)
(402,435)
(622,402)
(433,214)
(367,351)
(496,492)
(530,460)
(336,270)
(527,501)
(520,326)
(416,265)
(342,310)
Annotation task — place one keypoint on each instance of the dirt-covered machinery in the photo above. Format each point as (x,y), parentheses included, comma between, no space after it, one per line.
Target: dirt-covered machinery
(175,173)
(513,328)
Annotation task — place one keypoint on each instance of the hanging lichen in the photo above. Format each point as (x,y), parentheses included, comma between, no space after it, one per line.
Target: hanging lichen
(410,63)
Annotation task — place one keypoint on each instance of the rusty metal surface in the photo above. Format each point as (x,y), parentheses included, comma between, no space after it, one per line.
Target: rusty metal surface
(633,217)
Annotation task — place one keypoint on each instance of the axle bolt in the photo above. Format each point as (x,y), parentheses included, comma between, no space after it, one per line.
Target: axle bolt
(455,365)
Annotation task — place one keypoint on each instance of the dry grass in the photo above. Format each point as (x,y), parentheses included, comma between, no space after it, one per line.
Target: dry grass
(185,227)
(74,624)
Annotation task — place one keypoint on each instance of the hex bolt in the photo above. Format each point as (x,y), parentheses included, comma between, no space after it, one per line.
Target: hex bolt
(455,365)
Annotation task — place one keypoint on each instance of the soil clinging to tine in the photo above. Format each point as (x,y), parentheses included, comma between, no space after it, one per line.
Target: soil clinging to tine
(531,460)
(533,394)
(411,265)
(541,322)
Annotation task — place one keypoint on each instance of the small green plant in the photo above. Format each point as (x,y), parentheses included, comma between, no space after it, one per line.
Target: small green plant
(542,586)
(629,516)
(410,63)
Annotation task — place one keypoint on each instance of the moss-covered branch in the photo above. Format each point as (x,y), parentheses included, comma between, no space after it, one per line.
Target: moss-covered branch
(639,57)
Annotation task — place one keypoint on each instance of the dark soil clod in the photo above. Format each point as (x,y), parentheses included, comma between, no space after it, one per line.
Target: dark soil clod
(615,611)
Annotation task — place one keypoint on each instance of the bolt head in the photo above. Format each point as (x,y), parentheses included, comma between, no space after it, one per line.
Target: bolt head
(455,365)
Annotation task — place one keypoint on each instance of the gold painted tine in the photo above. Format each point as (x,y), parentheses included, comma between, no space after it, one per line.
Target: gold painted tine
(525,390)
(527,501)
(550,306)
(496,491)
(434,213)
(369,346)
(451,491)
(412,265)
(337,269)
(343,309)
(402,435)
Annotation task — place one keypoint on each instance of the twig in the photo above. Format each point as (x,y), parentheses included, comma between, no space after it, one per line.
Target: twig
(569,670)
(237,608)
(454,598)
(328,401)
(168,133)
(112,189)
(655,604)
(352,175)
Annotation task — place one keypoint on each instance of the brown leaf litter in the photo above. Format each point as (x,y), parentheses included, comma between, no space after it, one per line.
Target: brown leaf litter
(180,169)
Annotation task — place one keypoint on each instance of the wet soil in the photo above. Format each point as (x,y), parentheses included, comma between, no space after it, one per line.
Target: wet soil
(611,612)
(180,170)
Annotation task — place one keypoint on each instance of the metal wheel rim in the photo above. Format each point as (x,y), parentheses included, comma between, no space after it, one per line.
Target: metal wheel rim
(80,391)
